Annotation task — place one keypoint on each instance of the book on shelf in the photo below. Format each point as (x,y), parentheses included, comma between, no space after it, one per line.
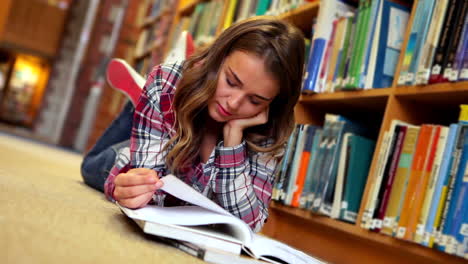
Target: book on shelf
(455,233)
(396,190)
(370,205)
(440,192)
(445,43)
(417,37)
(207,224)
(421,155)
(360,151)
(433,173)
(388,40)
(433,35)
(388,176)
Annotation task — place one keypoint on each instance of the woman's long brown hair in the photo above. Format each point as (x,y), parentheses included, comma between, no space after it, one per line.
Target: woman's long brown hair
(280,45)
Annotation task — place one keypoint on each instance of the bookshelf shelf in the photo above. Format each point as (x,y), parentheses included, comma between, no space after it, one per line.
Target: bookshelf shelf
(441,94)
(301,16)
(360,101)
(337,234)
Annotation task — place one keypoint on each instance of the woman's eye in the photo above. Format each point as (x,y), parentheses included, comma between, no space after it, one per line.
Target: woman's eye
(254,101)
(229,82)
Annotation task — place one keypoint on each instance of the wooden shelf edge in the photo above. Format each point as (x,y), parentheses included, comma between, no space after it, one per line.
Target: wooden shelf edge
(299,10)
(432,88)
(367,236)
(345,95)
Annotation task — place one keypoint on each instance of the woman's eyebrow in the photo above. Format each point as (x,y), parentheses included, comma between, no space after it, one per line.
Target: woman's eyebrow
(239,81)
(235,76)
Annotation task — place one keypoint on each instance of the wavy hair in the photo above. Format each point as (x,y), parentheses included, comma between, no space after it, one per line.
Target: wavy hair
(280,45)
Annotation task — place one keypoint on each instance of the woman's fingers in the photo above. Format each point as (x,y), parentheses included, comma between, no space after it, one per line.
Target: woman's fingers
(133,178)
(124,192)
(136,202)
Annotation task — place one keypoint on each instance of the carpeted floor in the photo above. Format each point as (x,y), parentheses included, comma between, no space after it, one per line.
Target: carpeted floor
(47,214)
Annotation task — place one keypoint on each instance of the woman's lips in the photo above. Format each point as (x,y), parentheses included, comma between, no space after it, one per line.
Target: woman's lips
(223,111)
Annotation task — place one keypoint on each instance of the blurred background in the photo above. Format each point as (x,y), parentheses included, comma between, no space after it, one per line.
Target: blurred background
(53,55)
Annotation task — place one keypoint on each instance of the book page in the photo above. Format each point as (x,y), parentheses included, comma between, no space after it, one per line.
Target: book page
(262,247)
(189,216)
(181,190)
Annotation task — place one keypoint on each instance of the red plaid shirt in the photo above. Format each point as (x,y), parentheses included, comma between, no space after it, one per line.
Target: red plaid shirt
(237,179)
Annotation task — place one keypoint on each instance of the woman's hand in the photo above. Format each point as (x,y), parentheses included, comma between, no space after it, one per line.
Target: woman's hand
(135,188)
(233,129)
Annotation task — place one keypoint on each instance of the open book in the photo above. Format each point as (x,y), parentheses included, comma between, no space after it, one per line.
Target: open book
(209,225)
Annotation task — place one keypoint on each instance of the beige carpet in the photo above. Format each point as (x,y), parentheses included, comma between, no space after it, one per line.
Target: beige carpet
(47,214)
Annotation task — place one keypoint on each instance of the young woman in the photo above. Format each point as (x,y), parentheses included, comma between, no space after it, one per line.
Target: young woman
(218,121)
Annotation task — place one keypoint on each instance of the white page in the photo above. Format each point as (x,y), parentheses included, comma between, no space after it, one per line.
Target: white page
(181,190)
(262,246)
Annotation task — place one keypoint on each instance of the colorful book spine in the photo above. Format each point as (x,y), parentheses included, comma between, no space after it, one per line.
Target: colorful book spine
(425,22)
(440,192)
(462,47)
(389,176)
(424,70)
(455,214)
(360,158)
(420,233)
(421,187)
(445,218)
(417,168)
(304,163)
(307,196)
(399,185)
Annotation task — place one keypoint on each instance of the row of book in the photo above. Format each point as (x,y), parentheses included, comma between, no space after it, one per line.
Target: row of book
(212,16)
(324,169)
(418,191)
(359,47)
(437,45)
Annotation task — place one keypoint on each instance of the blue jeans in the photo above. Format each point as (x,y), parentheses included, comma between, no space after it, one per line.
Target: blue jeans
(98,162)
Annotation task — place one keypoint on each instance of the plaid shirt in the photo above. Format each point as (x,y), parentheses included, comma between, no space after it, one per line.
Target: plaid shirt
(237,179)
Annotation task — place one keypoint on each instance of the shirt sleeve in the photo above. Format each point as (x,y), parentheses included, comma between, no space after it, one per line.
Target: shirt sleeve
(149,130)
(243,184)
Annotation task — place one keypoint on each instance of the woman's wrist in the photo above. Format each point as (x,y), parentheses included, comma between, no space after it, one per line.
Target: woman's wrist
(232,136)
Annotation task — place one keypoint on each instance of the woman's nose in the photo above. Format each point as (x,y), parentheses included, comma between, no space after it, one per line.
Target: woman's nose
(234,101)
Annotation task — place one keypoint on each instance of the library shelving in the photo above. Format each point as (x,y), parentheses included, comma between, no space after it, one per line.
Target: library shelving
(332,240)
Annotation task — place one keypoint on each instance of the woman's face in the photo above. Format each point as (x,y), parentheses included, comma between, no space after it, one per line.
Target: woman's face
(244,88)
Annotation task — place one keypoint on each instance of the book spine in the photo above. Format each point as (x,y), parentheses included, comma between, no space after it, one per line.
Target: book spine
(426,19)
(424,70)
(444,42)
(399,185)
(411,46)
(438,200)
(445,220)
(305,158)
(462,46)
(454,213)
(454,41)
(417,168)
(392,151)
(385,195)
(421,186)
(421,234)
